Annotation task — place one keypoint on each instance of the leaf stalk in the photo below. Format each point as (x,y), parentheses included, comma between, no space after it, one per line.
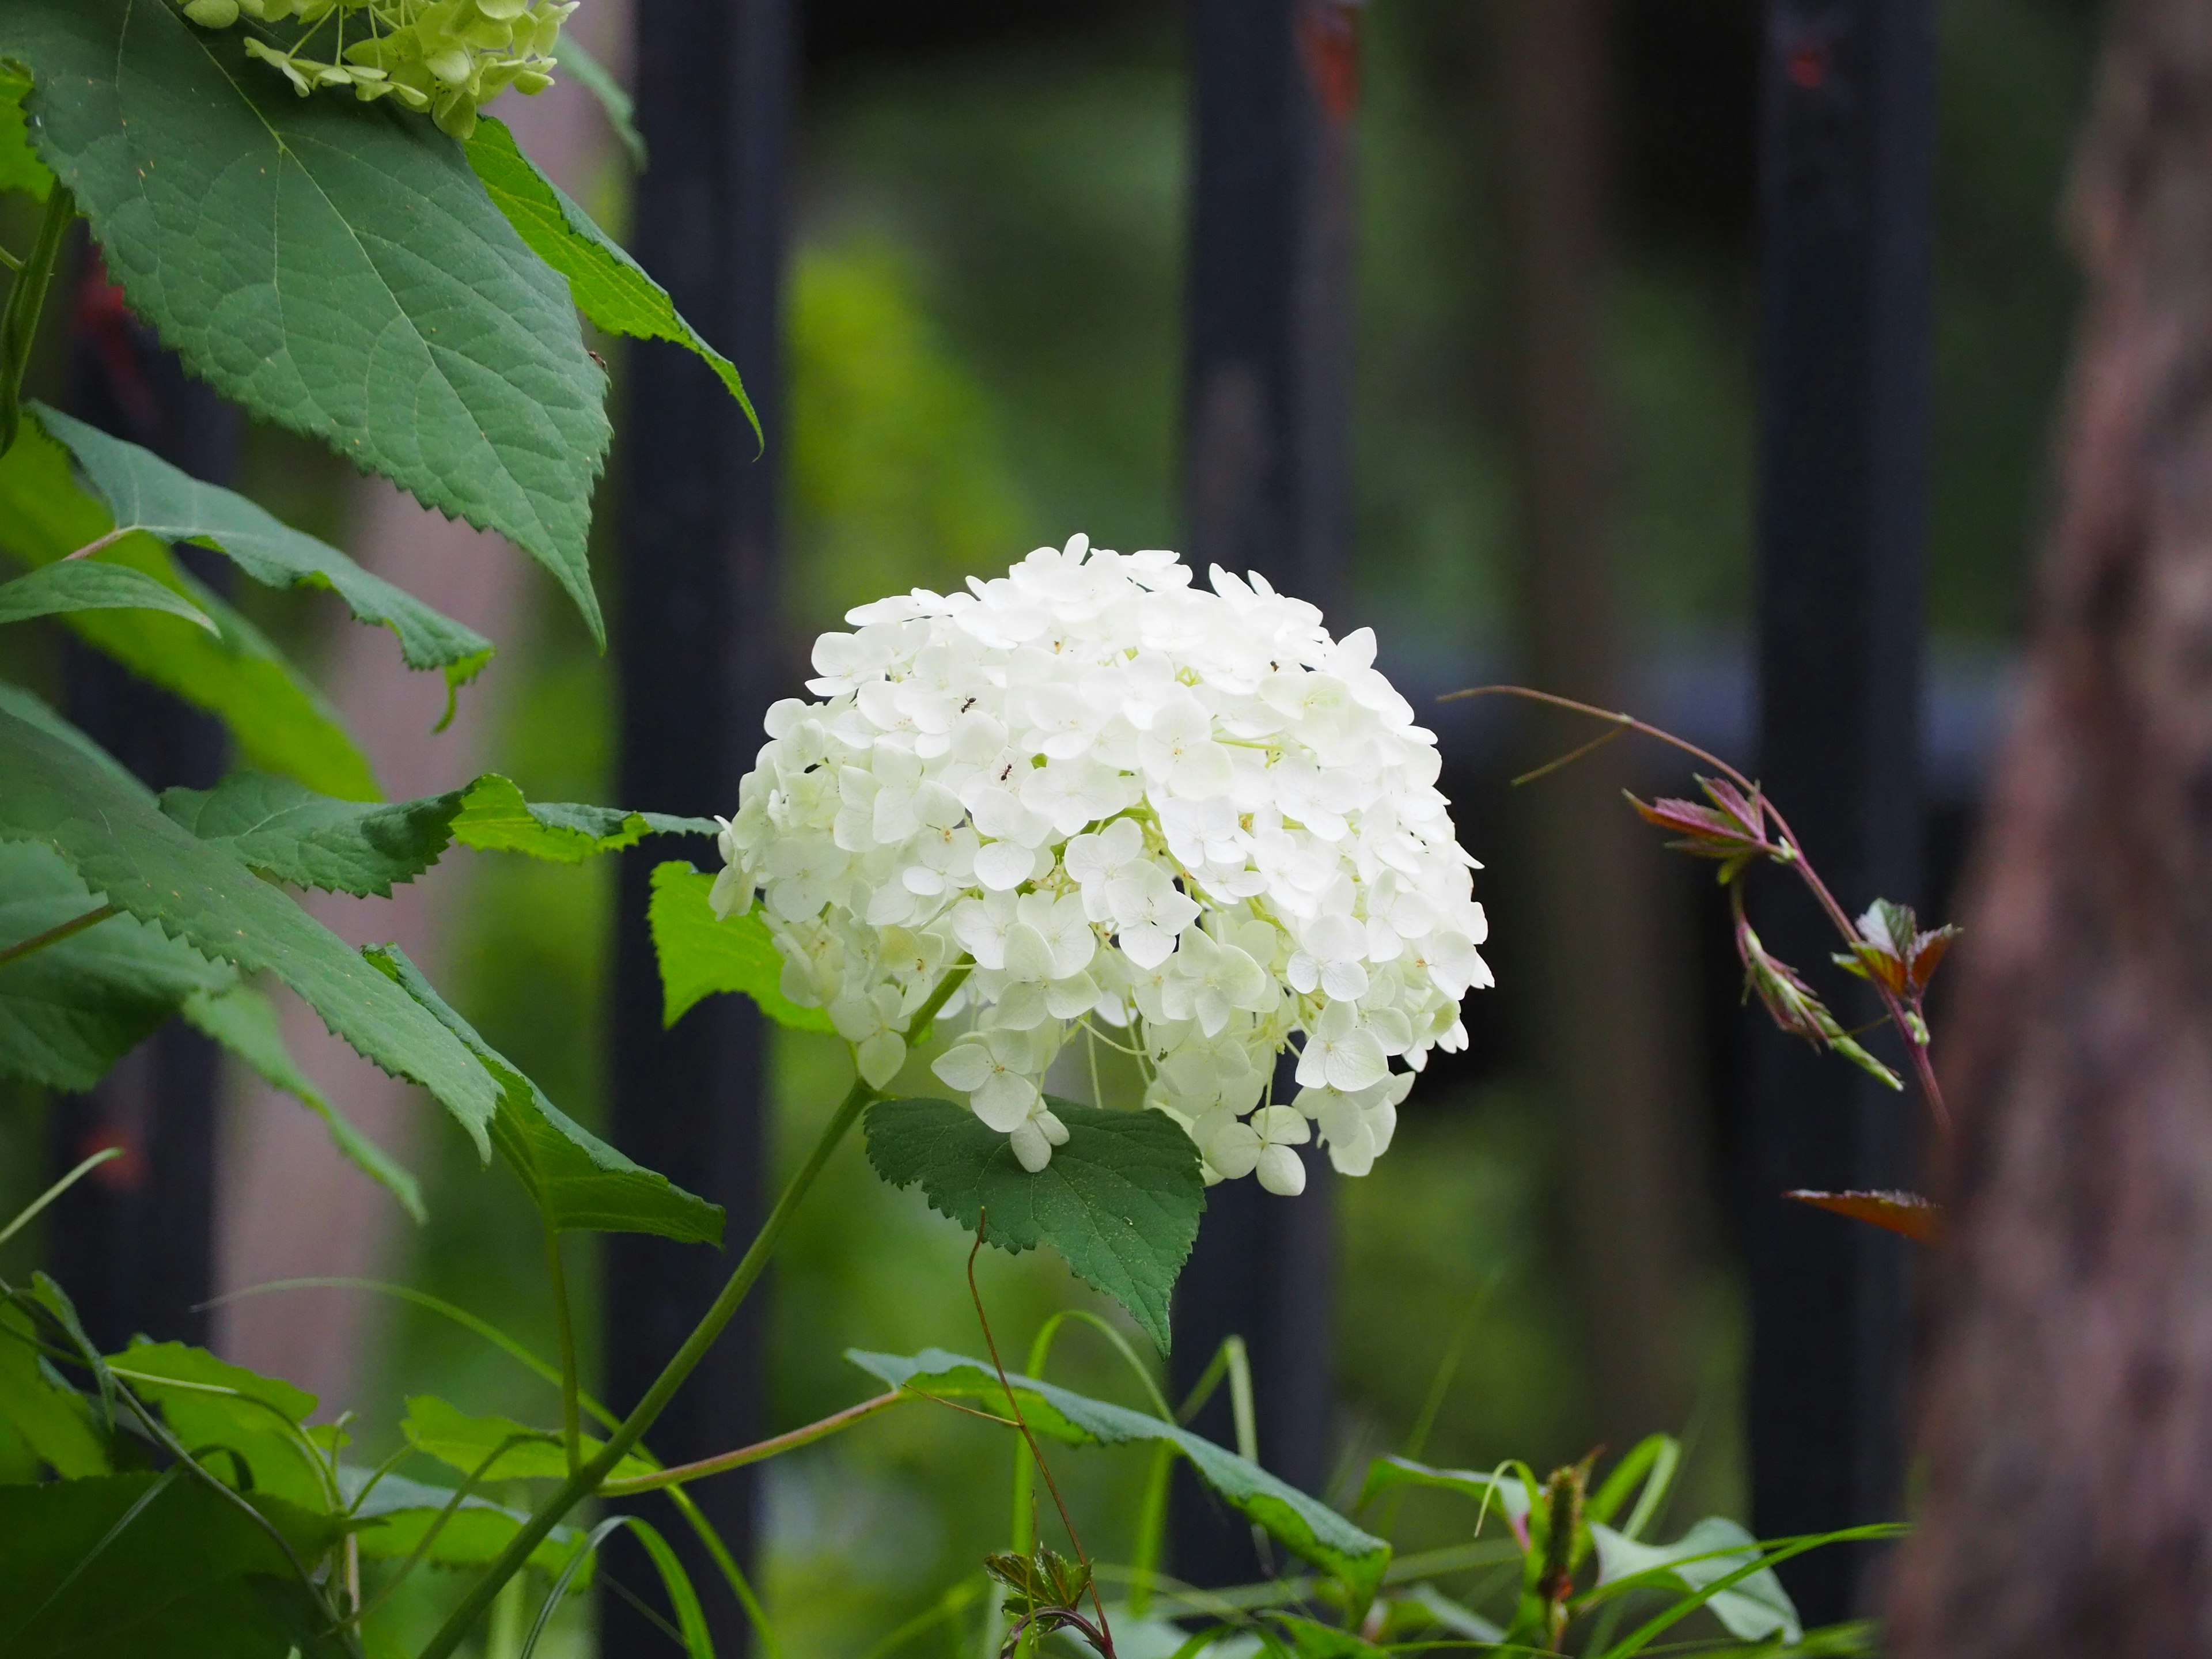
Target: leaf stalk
(26,301)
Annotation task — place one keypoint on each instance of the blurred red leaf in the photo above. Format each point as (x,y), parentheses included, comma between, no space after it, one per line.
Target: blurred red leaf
(1916,1217)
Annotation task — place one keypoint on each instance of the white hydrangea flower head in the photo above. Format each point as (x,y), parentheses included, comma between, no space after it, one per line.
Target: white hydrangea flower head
(1185,823)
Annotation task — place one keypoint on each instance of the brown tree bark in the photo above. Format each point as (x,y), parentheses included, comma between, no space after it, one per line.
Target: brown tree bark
(2067,1422)
(1606,1038)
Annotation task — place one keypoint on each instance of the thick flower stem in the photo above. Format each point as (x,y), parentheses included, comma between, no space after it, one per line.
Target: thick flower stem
(27,301)
(585,1480)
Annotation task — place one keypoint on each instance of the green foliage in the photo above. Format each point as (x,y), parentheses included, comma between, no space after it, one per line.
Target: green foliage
(141,491)
(610,288)
(701,954)
(120,845)
(1303,1525)
(1120,1201)
(407,1515)
(1754,1608)
(257,1420)
(144,1566)
(85,585)
(51,1419)
(577,1181)
(279,721)
(336,269)
(498,1448)
(20,166)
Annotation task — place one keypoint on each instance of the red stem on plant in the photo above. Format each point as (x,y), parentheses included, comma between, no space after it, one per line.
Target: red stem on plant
(1923,1069)
(991,1344)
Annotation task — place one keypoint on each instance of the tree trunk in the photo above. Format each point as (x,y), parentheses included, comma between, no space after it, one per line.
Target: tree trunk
(1607,1052)
(2067,1422)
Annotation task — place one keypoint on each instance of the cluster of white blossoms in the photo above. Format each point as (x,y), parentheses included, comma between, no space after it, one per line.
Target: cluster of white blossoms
(1187,825)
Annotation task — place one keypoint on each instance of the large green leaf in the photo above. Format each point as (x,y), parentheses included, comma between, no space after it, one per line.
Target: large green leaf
(19,165)
(465,1443)
(120,846)
(279,721)
(1303,1524)
(1120,1201)
(256,1419)
(141,491)
(611,288)
(577,1181)
(332,265)
(244,1021)
(1752,1608)
(57,590)
(701,954)
(309,840)
(404,1512)
(144,1566)
(71,1009)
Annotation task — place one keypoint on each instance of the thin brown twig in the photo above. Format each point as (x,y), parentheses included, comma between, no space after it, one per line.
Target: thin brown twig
(991,1343)
(37,942)
(1923,1069)
(98,542)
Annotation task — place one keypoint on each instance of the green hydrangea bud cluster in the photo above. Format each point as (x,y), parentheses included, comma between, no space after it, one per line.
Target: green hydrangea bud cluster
(446,57)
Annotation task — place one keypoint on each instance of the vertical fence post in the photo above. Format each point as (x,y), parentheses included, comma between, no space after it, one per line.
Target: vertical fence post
(696,638)
(1849,138)
(135,1244)
(1267,357)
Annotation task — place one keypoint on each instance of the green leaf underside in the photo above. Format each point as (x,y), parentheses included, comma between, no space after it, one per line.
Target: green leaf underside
(577,1181)
(1752,1608)
(123,847)
(141,491)
(275,715)
(279,721)
(701,954)
(210,1402)
(462,1442)
(332,265)
(244,1021)
(1120,1201)
(19,165)
(314,841)
(192,1577)
(610,288)
(403,1511)
(57,590)
(69,1010)
(1304,1525)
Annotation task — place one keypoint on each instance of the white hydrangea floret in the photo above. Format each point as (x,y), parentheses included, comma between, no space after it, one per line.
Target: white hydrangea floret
(1187,823)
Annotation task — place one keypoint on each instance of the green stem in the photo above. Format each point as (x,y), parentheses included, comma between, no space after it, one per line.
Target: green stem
(572,1427)
(760,1450)
(27,299)
(38,942)
(739,1585)
(585,1480)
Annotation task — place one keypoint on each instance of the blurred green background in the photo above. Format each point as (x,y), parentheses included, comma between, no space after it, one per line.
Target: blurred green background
(985,353)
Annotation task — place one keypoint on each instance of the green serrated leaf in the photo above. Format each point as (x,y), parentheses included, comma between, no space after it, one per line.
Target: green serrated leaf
(69,1010)
(1304,1525)
(141,491)
(144,1566)
(1120,1201)
(244,1021)
(462,1442)
(279,720)
(209,1402)
(577,1181)
(334,266)
(120,846)
(19,165)
(309,840)
(54,1421)
(74,585)
(701,954)
(402,1512)
(611,288)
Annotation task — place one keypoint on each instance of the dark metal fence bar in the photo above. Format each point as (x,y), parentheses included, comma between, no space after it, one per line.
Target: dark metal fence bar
(695,635)
(135,1244)
(1848,143)
(1270,335)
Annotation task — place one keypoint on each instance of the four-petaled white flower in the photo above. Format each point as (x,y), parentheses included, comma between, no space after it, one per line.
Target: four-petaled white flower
(1189,824)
